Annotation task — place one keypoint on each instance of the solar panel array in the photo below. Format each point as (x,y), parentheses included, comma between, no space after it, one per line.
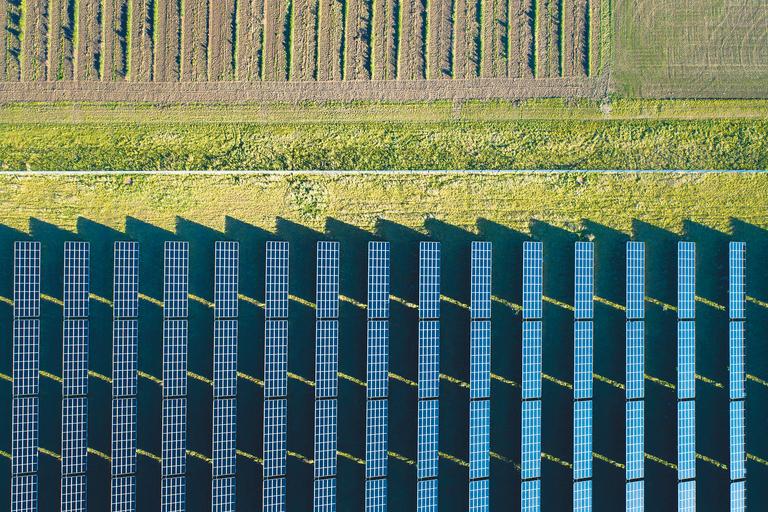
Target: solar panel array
(686,374)
(582,374)
(275,375)
(124,375)
(737,277)
(634,382)
(326,376)
(530,414)
(377,402)
(25,407)
(225,332)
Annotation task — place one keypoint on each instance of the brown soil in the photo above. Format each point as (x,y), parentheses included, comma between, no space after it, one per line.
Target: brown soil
(466,36)
(142,46)
(221,40)
(275,39)
(304,40)
(34,45)
(440,39)
(357,42)
(520,39)
(412,62)
(194,41)
(115,26)
(384,24)
(250,27)
(330,38)
(60,48)
(88,58)
(494,34)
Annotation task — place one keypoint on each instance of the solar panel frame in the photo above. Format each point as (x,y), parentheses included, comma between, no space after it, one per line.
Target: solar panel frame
(174,441)
(226,276)
(584,280)
(223,494)
(480,274)
(376,495)
(686,439)
(738,492)
(376,438)
(173,494)
(530,495)
(224,433)
(635,360)
(426,495)
(582,439)
(533,258)
(737,435)
(24,493)
(635,297)
(532,347)
(124,494)
(25,435)
(686,496)
(74,493)
(530,452)
(582,496)
(324,495)
(429,280)
(75,358)
(124,428)
(635,439)
(125,358)
(26,357)
(176,280)
(326,358)
(175,341)
(26,279)
(479,438)
(377,367)
(429,359)
(74,436)
(479,491)
(326,414)
(274,495)
(225,333)
(378,280)
(736,361)
(686,280)
(582,359)
(126,280)
(737,278)
(76,279)
(427,439)
(480,359)
(327,286)
(686,360)
(274,447)
(635,496)
(275,358)
(276,281)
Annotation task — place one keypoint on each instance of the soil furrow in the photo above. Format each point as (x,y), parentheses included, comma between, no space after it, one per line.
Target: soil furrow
(115,43)
(89,40)
(34,45)
(304,40)
(494,36)
(384,47)
(11,35)
(330,37)
(440,39)
(466,39)
(250,28)
(60,47)
(548,39)
(194,41)
(221,40)
(521,20)
(357,44)
(412,62)
(141,32)
(276,39)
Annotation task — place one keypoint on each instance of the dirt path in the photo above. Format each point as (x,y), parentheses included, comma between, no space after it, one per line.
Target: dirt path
(304,40)
(330,40)
(276,31)
(384,37)
(194,41)
(88,51)
(440,39)
(357,44)
(221,40)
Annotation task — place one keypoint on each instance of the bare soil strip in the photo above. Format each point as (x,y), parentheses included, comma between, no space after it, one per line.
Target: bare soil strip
(10,25)
(34,45)
(412,62)
(3,43)
(548,39)
(494,34)
(60,53)
(385,13)
(594,36)
(115,42)
(142,30)
(194,40)
(276,30)
(575,34)
(357,43)
(167,41)
(221,40)
(88,40)
(250,28)
(304,40)
(466,39)
(440,39)
(330,37)
(520,39)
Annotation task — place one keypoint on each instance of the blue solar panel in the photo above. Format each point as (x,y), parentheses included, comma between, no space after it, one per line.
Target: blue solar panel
(276,282)
(224,437)
(429,359)
(584,281)
(223,494)
(582,496)
(174,436)
(224,358)
(175,334)
(480,359)
(686,360)
(378,359)
(327,292)
(276,358)
(275,425)
(426,495)
(686,280)
(173,494)
(686,496)
(635,280)
(274,495)
(635,496)
(738,496)
(324,499)
(530,456)
(582,439)
(530,496)
(376,438)
(737,277)
(76,279)
(125,351)
(738,457)
(531,360)
(74,436)
(123,436)
(736,363)
(533,258)
(378,280)
(635,439)
(74,493)
(480,293)
(635,360)
(325,437)
(75,360)
(686,439)
(479,438)
(429,280)
(326,358)
(479,495)
(376,495)
(226,279)
(176,280)
(582,359)
(126,280)
(24,438)
(427,438)
(26,280)
(26,357)
(24,491)
(124,494)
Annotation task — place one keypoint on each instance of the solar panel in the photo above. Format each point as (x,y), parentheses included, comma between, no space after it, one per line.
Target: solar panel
(276,358)
(686,280)
(124,494)
(686,439)
(736,279)
(378,359)
(582,359)
(736,363)
(429,359)
(175,334)
(582,439)
(275,411)
(324,499)
(426,495)
(584,280)
(480,293)
(427,438)
(686,496)
(26,357)
(582,496)
(274,495)
(276,281)
(478,495)
(176,280)
(533,259)
(635,496)
(24,442)
(530,456)
(327,280)
(378,280)
(126,280)
(223,494)
(24,491)
(531,360)
(224,437)
(224,358)
(226,279)
(479,438)
(123,436)
(326,358)
(530,496)
(686,360)
(76,279)
(738,496)
(635,360)
(376,438)
(74,435)
(173,494)
(75,361)
(635,280)
(74,493)
(635,439)
(125,345)
(429,280)
(738,457)
(480,359)
(325,437)
(174,436)
(26,280)
(376,495)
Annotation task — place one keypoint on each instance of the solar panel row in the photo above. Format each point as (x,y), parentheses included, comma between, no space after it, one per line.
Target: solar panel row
(584,281)
(76,279)
(125,295)
(583,312)
(327,286)
(635,377)
(480,275)
(26,280)
(737,278)
(226,275)
(686,375)
(429,280)
(176,280)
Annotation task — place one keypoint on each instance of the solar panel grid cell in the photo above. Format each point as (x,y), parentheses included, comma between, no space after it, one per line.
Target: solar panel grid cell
(24,437)
(124,494)
(276,359)
(24,493)
(376,495)
(635,496)
(686,496)
(226,279)
(327,291)
(686,281)
(532,280)
(530,466)
(74,436)
(224,437)
(479,438)
(26,280)
(326,358)
(74,493)
(26,357)
(173,494)
(175,335)
(76,279)
(635,360)
(686,439)
(275,411)
(429,280)
(378,280)
(737,280)
(738,456)
(176,280)
(174,443)
(427,438)
(123,436)
(276,282)
(736,366)
(686,360)
(126,280)
(274,495)
(426,495)
(584,281)
(324,499)
(479,495)
(376,438)
(225,358)
(325,438)
(429,359)
(480,359)
(531,360)
(378,359)
(480,292)
(124,358)
(738,496)
(582,496)
(75,361)
(530,496)
(635,281)
(223,494)
(582,359)
(635,439)
(582,439)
